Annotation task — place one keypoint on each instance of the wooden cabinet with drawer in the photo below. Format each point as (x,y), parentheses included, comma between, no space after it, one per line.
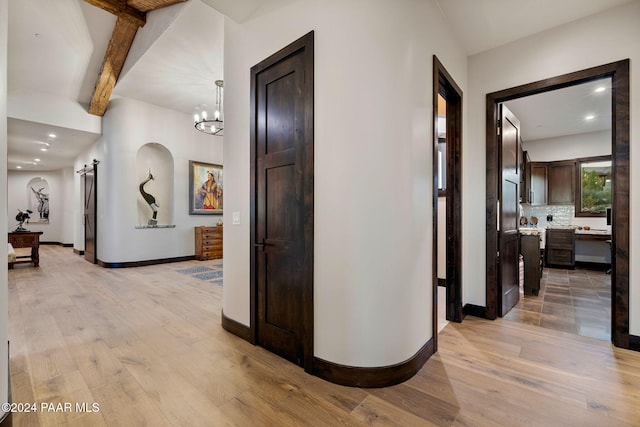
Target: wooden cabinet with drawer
(208,242)
(560,248)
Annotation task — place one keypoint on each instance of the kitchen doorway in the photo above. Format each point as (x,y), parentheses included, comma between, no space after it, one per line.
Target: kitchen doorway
(618,72)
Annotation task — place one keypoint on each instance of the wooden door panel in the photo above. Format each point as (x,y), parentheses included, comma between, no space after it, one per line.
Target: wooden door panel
(281,205)
(509,242)
(282,264)
(281,110)
(510,249)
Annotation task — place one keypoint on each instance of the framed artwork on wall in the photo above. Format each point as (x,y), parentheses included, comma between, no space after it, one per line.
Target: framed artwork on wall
(206,184)
(39,200)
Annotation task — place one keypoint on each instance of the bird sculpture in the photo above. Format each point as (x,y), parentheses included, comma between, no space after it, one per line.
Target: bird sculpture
(150,200)
(21,217)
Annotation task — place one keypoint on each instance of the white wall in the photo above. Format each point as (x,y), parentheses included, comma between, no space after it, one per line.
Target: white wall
(127,125)
(54,110)
(569,147)
(67,206)
(59,189)
(599,39)
(4,296)
(373,168)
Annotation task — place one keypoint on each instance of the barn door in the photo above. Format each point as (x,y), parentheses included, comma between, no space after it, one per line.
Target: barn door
(89,182)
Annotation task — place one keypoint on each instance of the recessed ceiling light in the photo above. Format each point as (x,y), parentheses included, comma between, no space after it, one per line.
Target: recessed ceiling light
(37,160)
(52,135)
(590,117)
(600,89)
(43,149)
(18,167)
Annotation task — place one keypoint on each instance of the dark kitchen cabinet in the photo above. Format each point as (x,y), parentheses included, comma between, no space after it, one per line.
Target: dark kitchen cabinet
(525,177)
(560,248)
(561,187)
(550,183)
(530,251)
(537,184)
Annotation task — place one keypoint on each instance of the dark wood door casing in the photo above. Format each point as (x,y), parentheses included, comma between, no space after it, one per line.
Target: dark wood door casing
(282,203)
(445,85)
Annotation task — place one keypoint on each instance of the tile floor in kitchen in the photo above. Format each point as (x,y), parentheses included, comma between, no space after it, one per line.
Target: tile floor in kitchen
(576,301)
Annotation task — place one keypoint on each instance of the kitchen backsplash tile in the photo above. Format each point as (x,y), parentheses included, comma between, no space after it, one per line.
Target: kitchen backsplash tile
(563,215)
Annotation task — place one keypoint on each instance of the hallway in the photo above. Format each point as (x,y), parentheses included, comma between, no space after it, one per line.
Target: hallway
(146,345)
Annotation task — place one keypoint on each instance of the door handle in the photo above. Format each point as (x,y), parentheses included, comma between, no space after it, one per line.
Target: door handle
(262,244)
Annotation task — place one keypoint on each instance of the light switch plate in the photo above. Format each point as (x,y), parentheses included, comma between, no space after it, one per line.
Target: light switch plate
(236,218)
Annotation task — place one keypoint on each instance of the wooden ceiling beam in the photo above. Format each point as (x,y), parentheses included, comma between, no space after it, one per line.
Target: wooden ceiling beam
(131,15)
(148,5)
(121,40)
(121,9)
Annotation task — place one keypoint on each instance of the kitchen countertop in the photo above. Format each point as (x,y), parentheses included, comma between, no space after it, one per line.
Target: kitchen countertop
(581,234)
(593,231)
(531,230)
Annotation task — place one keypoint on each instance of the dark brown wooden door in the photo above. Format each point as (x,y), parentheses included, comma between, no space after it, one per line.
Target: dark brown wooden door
(509,198)
(89,189)
(282,193)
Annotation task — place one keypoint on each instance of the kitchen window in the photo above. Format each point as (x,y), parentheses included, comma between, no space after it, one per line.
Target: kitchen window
(594,186)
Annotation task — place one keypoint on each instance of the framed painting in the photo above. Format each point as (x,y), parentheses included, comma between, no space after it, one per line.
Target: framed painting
(206,186)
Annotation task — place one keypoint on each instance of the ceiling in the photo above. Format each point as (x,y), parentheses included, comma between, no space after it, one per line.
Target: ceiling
(573,110)
(56,50)
(484,24)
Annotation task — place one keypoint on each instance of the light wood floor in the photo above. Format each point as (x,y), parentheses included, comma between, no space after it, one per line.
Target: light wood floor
(146,345)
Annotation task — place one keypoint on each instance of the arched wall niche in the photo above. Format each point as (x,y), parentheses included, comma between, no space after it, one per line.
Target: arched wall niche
(154,186)
(38,200)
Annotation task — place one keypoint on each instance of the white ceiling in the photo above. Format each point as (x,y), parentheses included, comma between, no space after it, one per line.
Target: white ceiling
(484,24)
(56,50)
(563,112)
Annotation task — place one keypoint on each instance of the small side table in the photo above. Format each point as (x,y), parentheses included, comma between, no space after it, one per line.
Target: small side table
(26,239)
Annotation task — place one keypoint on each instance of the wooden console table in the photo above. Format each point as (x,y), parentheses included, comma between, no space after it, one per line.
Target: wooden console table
(26,239)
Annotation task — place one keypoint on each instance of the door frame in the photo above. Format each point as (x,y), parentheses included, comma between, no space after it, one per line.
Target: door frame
(620,140)
(305,44)
(444,84)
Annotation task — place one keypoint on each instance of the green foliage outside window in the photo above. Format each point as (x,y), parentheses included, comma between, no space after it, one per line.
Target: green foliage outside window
(595,187)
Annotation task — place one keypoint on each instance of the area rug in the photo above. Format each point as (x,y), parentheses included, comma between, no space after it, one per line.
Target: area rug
(211,273)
